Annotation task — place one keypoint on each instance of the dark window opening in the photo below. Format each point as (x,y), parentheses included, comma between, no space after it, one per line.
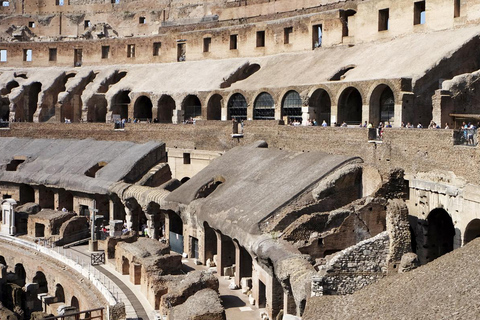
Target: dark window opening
(316,36)
(142,20)
(456,8)
(78,57)
(31,24)
(181,52)
(383,19)
(292,107)
(27,54)
(6,196)
(345,17)
(186,158)
(209,187)
(237,107)
(13,165)
(233,42)
(131,51)
(419,12)
(105,52)
(156,48)
(260,39)
(52,54)
(93,170)
(84,211)
(206,44)
(287,32)
(264,107)
(86,24)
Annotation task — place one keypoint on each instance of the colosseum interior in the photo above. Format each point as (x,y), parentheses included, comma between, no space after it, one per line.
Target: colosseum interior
(239,159)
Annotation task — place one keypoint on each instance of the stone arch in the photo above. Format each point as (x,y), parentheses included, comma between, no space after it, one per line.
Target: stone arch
(97,112)
(59,293)
(166,105)
(184,179)
(27,106)
(41,280)
(142,109)
(440,234)
(322,105)
(9,87)
(134,214)
(192,107)
(264,107)
(292,107)
(3,261)
(120,103)
(382,105)
(214,107)
(237,107)
(20,274)
(350,106)
(472,231)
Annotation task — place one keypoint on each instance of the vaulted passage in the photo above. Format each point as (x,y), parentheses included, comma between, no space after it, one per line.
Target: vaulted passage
(382,105)
(166,105)
(192,107)
(237,107)
(264,107)
(120,104)
(350,107)
(214,107)
(439,235)
(472,231)
(292,107)
(320,101)
(143,109)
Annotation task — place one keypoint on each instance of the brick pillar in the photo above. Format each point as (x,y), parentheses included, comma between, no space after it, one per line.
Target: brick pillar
(274,296)
(289,306)
(225,252)
(243,263)
(56,200)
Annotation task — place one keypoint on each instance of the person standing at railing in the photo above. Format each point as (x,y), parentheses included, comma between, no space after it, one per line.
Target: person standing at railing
(471,132)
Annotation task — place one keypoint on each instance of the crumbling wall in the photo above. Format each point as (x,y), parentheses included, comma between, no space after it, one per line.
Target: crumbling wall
(203,305)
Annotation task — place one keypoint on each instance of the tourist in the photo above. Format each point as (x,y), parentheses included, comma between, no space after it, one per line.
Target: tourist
(344,124)
(446,125)
(432,125)
(419,126)
(324,124)
(315,123)
(388,125)
(370,125)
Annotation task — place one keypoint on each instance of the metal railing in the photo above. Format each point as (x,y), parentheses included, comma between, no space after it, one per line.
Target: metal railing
(467,137)
(83,315)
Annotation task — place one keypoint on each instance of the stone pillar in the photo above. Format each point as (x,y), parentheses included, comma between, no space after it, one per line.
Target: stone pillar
(225,252)
(289,306)
(442,107)
(56,200)
(153,224)
(167,226)
(243,263)
(306,114)
(334,114)
(178,116)
(274,296)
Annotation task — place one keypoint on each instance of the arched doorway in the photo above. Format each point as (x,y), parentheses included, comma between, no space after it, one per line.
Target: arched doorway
(125,266)
(237,107)
(31,107)
(41,280)
(322,105)
(214,107)
(350,107)
(382,105)
(472,231)
(120,104)
(292,107)
(74,303)
(440,234)
(166,105)
(176,232)
(264,107)
(20,274)
(2,261)
(192,107)
(143,109)
(59,293)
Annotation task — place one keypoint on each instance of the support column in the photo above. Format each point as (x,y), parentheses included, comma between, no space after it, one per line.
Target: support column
(243,263)
(225,253)
(274,296)
(289,306)
(333,115)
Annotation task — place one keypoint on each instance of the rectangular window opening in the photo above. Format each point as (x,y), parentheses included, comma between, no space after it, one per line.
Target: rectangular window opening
(206,44)
(5,4)
(316,36)
(287,32)
(181,52)
(142,20)
(419,12)
(27,54)
(186,158)
(59,2)
(456,9)
(156,48)
(233,42)
(383,19)
(131,51)
(260,39)
(105,52)
(3,55)
(52,54)
(86,24)
(31,24)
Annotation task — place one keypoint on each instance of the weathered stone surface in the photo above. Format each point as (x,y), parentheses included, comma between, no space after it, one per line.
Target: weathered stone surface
(409,262)
(203,305)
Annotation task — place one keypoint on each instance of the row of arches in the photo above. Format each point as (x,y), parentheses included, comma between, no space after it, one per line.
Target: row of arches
(319,106)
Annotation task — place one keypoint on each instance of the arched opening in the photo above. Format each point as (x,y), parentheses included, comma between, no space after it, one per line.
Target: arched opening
(74,303)
(440,234)
(3,261)
(382,105)
(214,107)
(210,245)
(59,293)
(31,106)
(20,274)
(9,87)
(472,231)
(350,107)
(166,105)
(27,194)
(292,107)
(264,107)
(41,280)
(322,105)
(237,107)
(125,266)
(184,179)
(4,109)
(176,232)
(143,109)
(120,104)
(192,107)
